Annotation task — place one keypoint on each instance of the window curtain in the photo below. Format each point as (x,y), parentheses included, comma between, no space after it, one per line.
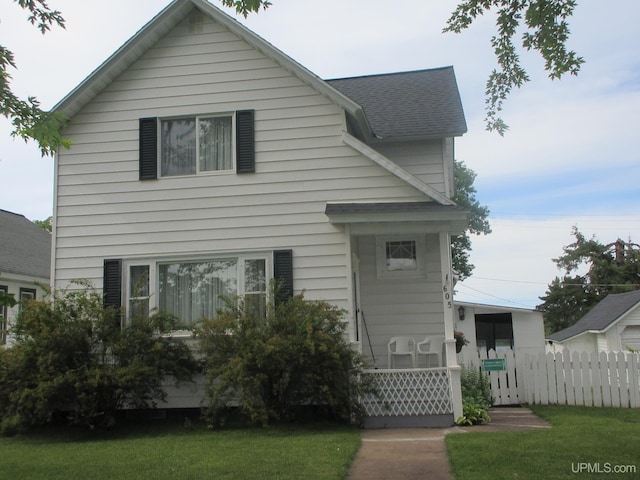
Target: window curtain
(191,291)
(215,143)
(178,139)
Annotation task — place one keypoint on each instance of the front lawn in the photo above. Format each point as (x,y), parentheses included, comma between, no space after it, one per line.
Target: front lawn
(174,451)
(583,443)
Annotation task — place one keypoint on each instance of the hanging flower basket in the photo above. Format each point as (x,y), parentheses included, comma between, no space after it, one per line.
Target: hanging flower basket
(460,341)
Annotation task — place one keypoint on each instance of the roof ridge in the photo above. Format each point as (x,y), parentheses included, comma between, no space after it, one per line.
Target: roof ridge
(386,74)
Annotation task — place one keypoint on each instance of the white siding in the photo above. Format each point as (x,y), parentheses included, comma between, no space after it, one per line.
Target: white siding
(411,306)
(104,211)
(424,160)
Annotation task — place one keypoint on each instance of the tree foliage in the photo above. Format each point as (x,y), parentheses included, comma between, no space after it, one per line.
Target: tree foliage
(546,31)
(465,196)
(47,223)
(72,362)
(270,366)
(610,268)
(27,117)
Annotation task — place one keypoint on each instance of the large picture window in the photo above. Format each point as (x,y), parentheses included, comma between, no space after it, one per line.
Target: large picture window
(198,144)
(195,289)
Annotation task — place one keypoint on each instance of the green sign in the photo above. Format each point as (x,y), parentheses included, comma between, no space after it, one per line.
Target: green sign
(494,364)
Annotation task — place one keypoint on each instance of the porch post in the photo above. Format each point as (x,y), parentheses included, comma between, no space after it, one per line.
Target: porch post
(450,342)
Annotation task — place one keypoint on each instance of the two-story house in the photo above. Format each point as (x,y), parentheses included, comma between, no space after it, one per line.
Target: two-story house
(206,162)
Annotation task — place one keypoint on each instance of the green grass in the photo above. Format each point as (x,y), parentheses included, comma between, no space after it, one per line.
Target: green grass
(174,452)
(600,437)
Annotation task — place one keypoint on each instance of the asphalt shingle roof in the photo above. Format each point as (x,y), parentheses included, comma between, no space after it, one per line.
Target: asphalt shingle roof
(25,248)
(610,309)
(422,103)
(388,207)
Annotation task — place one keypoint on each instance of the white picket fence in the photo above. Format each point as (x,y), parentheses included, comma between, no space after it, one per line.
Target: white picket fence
(564,378)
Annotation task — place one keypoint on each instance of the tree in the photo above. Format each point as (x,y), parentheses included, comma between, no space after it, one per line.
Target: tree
(547,32)
(611,268)
(46,223)
(28,119)
(465,196)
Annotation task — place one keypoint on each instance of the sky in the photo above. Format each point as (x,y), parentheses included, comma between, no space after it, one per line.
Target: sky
(570,157)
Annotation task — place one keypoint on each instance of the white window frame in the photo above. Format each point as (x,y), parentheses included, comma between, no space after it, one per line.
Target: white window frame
(383,270)
(197,118)
(154,277)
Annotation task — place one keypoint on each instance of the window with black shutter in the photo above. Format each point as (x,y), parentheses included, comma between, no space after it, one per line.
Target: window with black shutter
(148,149)
(198,144)
(112,283)
(283,274)
(245,142)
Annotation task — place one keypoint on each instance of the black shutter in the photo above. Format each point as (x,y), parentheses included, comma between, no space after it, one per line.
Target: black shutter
(283,274)
(245,142)
(148,148)
(112,283)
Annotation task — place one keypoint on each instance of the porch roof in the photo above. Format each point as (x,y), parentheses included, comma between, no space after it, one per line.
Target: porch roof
(434,216)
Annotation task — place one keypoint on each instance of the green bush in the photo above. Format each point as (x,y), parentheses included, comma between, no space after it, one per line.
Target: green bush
(476,396)
(273,365)
(72,362)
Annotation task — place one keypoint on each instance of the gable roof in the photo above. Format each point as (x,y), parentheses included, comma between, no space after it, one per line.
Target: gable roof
(609,310)
(422,103)
(160,25)
(25,248)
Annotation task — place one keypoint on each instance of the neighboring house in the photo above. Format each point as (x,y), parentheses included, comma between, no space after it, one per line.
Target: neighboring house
(205,162)
(613,325)
(25,264)
(494,327)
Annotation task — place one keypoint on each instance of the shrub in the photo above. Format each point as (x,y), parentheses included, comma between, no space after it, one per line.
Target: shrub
(271,365)
(476,396)
(71,361)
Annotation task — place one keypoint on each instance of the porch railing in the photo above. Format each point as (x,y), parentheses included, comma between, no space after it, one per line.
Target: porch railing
(410,392)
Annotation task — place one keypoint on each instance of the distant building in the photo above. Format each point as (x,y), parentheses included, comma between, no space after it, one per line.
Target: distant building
(613,325)
(25,264)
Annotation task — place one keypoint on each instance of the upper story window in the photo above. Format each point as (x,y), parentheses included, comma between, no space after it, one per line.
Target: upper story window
(190,145)
(198,144)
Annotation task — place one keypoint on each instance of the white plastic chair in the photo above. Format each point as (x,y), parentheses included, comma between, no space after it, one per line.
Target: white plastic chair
(398,346)
(431,347)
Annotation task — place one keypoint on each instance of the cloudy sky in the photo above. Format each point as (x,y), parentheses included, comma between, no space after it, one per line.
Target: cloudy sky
(571,157)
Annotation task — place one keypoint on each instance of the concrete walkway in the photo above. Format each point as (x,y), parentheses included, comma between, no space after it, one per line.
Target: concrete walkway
(420,453)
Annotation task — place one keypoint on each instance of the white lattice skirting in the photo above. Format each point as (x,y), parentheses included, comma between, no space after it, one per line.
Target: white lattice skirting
(410,392)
